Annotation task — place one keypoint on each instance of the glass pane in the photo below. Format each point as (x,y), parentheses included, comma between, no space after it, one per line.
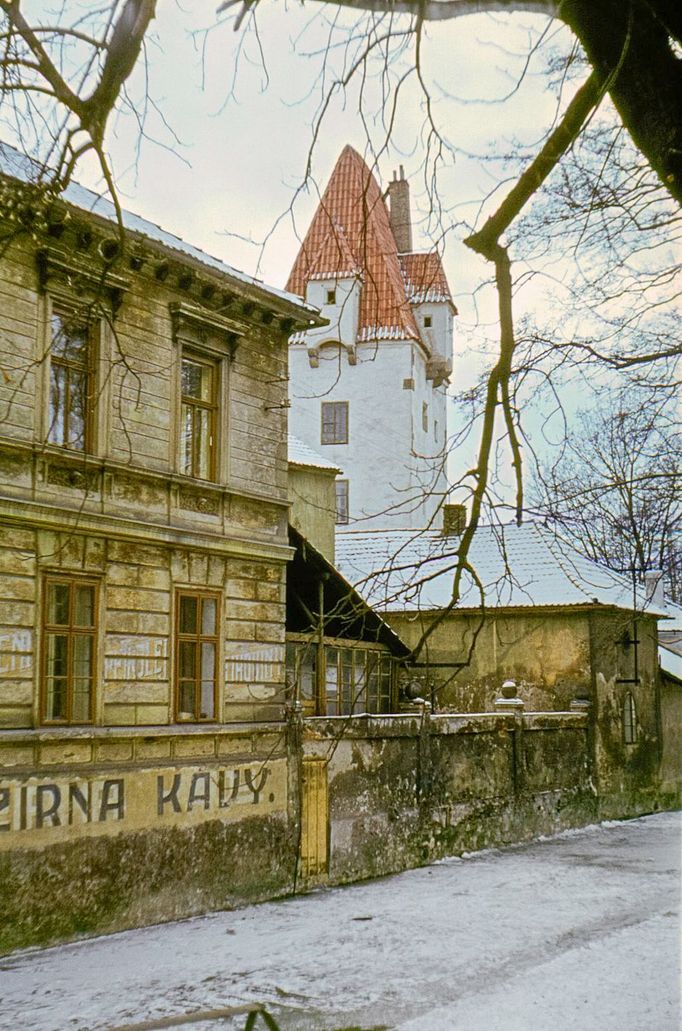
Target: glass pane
(56,699)
(69,338)
(188,614)
(57,667)
(307,674)
(84,607)
(386,699)
(186,441)
(76,414)
(186,700)
(187,660)
(207,700)
(373,703)
(331,682)
(208,614)
(55,433)
(58,604)
(345,705)
(82,690)
(82,656)
(208,662)
(202,443)
(359,681)
(197,380)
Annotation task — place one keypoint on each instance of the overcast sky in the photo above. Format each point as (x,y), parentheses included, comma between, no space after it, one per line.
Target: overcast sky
(243,106)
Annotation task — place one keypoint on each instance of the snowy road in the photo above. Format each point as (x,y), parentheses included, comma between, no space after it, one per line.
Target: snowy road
(575,933)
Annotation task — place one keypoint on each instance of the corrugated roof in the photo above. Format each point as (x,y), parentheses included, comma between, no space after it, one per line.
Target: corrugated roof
(19,166)
(300,454)
(424,278)
(518,566)
(350,234)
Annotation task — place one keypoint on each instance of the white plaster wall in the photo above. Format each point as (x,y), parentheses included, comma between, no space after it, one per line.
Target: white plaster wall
(388,460)
(343,316)
(430,468)
(438,338)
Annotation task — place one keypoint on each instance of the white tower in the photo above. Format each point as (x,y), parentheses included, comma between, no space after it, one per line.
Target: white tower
(369,390)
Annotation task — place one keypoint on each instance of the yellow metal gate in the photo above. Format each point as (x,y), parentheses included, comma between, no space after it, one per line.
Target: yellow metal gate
(314,817)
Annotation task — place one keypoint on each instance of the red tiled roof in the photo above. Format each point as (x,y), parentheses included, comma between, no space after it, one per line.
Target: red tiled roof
(424,278)
(350,234)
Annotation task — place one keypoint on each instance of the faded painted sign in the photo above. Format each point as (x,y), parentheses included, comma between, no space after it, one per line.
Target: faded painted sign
(255,665)
(138,658)
(40,810)
(16,652)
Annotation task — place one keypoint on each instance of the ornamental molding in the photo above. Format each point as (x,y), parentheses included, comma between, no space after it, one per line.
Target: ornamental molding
(202,328)
(79,276)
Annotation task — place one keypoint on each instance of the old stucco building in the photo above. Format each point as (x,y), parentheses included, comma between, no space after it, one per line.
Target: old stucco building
(568,632)
(143,547)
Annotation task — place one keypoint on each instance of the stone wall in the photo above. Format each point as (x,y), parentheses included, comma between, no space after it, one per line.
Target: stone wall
(405,790)
(107,828)
(103,829)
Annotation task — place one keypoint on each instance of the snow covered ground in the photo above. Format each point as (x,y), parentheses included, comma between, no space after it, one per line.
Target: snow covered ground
(573,933)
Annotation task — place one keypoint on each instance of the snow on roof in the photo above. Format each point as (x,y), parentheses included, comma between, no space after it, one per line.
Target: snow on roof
(424,278)
(301,454)
(351,234)
(517,566)
(19,166)
(670,657)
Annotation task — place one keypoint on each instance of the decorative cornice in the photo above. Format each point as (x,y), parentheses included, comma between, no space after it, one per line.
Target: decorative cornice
(80,276)
(200,327)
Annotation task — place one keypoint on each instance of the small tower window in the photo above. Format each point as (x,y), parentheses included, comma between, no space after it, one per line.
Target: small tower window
(629,719)
(427,322)
(331,297)
(425,417)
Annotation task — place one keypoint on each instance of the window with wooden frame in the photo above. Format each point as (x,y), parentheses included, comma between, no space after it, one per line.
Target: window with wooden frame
(196,656)
(339,678)
(199,408)
(334,422)
(342,498)
(629,719)
(69,648)
(71,395)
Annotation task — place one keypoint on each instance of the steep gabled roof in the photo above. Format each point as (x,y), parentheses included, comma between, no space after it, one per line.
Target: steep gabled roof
(517,566)
(424,278)
(350,234)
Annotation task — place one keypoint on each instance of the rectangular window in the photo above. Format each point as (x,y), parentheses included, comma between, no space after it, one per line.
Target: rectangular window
(425,417)
(331,296)
(196,656)
(427,321)
(357,680)
(199,380)
(69,636)
(71,401)
(341,501)
(334,422)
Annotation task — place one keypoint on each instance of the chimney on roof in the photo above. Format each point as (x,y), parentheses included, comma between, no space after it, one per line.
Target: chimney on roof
(653,587)
(454,520)
(399,205)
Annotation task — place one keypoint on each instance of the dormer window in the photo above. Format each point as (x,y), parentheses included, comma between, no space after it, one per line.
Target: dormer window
(331,297)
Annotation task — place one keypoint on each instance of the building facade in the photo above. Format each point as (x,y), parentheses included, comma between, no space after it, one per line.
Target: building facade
(143,546)
(369,390)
